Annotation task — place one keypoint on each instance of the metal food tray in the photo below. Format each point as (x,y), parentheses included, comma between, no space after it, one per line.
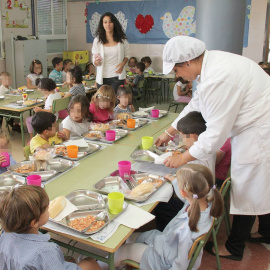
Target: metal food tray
(139,123)
(86,200)
(83,151)
(83,213)
(161,114)
(10,180)
(54,167)
(113,183)
(134,115)
(120,133)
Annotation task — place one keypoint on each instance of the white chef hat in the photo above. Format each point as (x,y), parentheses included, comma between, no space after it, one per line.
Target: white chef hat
(181,49)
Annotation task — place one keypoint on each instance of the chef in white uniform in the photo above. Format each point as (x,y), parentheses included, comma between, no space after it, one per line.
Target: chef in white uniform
(233,95)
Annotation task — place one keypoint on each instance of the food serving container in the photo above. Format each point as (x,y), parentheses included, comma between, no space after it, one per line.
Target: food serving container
(10,180)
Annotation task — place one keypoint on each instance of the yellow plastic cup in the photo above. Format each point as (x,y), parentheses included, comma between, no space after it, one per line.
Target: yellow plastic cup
(147,142)
(115,202)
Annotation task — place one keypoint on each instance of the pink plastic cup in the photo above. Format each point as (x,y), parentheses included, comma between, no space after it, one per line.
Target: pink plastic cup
(124,167)
(33,180)
(7,162)
(155,113)
(110,135)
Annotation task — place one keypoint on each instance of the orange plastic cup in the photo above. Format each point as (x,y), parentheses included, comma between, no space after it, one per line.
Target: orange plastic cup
(72,151)
(131,123)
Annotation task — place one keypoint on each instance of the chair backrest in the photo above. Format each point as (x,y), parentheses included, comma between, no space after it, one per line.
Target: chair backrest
(225,187)
(60,104)
(195,245)
(141,84)
(26,151)
(171,86)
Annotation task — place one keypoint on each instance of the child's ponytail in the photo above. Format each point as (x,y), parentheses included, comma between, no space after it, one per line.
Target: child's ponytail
(194,214)
(217,203)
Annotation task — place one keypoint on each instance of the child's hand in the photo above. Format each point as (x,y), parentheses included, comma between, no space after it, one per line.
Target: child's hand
(2,159)
(170,177)
(46,145)
(61,135)
(37,109)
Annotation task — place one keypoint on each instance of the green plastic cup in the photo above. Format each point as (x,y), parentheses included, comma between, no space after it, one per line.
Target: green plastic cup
(115,202)
(147,142)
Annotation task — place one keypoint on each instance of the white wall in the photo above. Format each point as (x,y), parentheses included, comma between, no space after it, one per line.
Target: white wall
(77,34)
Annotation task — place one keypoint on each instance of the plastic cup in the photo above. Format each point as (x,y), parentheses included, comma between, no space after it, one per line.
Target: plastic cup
(7,162)
(72,151)
(124,167)
(131,123)
(110,135)
(147,142)
(150,72)
(24,96)
(155,113)
(33,180)
(115,202)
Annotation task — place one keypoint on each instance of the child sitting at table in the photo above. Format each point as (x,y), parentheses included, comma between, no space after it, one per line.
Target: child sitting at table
(22,212)
(147,61)
(36,70)
(47,87)
(182,91)
(156,250)
(5,157)
(74,80)
(102,104)
(5,80)
(139,77)
(132,64)
(66,67)
(124,96)
(190,127)
(56,74)
(44,123)
(78,121)
(89,69)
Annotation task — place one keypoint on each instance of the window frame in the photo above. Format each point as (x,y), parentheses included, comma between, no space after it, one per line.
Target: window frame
(1,39)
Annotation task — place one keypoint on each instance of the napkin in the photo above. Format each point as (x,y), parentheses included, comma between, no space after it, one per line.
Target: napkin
(161,159)
(69,208)
(163,194)
(152,168)
(146,109)
(134,217)
(79,143)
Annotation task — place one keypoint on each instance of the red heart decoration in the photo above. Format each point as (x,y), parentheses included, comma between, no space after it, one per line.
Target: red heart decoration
(144,24)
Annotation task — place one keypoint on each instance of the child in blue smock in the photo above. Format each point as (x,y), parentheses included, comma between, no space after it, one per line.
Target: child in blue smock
(22,212)
(156,250)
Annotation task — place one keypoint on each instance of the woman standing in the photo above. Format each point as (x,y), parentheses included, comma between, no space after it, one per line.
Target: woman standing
(110,52)
(233,96)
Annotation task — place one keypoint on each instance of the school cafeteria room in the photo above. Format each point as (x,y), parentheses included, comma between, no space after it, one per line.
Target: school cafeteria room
(134,134)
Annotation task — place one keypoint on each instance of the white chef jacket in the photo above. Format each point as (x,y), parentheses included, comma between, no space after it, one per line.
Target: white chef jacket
(233,95)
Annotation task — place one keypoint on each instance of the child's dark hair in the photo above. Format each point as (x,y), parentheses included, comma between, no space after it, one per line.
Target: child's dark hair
(260,63)
(88,65)
(146,59)
(140,66)
(267,70)
(122,90)
(83,100)
(56,61)
(197,180)
(21,206)
(192,123)
(180,79)
(118,32)
(43,121)
(66,62)
(132,58)
(32,65)
(45,84)
(76,73)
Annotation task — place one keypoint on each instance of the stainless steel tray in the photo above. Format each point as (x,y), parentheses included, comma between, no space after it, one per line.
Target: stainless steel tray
(86,200)
(139,123)
(120,133)
(114,183)
(161,114)
(54,167)
(10,180)
(83,151)
(84,213)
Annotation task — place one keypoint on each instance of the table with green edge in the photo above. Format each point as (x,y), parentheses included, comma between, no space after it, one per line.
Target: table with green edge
(18,113)
(94,168)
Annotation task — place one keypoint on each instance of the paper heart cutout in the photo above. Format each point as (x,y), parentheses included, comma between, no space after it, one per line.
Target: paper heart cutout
(144,24)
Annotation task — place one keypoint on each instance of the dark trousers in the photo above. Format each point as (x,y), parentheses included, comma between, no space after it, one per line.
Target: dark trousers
(241,227)
(114,82)
(165,212)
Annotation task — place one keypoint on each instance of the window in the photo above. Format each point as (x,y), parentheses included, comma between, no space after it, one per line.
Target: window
(1,39)
(51,20)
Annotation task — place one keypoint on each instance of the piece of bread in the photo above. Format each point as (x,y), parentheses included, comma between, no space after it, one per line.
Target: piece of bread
(29,102)
(123,116)
(142,189)
(42,155)
(57,205)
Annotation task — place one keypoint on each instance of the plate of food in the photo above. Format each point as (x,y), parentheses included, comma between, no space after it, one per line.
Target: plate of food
(29,90)
(99,127)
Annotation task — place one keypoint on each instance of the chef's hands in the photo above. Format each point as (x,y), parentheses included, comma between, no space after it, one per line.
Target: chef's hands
(163,139)
(174,161)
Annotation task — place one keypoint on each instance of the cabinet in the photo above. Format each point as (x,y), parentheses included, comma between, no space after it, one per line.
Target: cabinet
(25,51)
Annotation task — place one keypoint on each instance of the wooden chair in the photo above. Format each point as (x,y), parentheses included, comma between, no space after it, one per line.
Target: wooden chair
(141,96)
(59,105)
(26,152)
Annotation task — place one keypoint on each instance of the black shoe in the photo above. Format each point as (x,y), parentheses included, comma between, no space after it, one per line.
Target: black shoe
(16,128)
(262,239)
(209,248)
